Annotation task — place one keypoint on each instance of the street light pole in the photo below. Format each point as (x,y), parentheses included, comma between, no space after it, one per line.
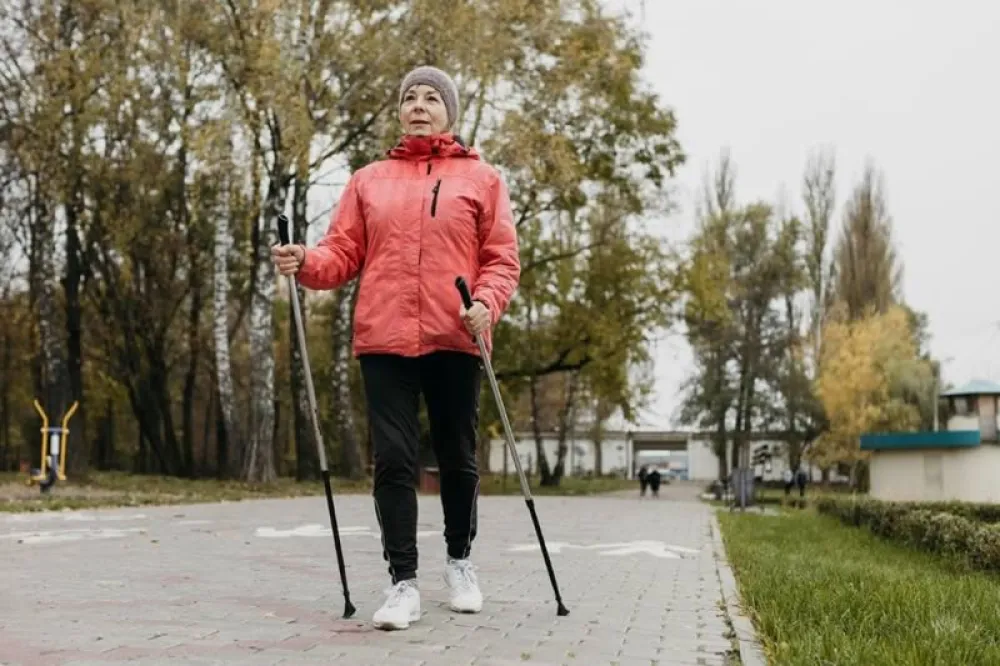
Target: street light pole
(937,399)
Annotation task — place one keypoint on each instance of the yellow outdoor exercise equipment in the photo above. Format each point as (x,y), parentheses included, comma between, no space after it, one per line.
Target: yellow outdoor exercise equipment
(53,458)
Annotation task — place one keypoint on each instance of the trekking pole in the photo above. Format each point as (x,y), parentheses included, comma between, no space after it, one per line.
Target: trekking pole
(285,238)
(561,610)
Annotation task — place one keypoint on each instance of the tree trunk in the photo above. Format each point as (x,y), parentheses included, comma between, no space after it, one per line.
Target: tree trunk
(54,379)
(602,412)
(566,421)
(229,434)
(258,464)
(791,399)
(223,457)
(151,457)
(720,444)
(103,449)
(350,445)
(72,200)
(6,381)
(545,475)
(208,423)
(76,454)
(159,386)
(306,459)
(191,377)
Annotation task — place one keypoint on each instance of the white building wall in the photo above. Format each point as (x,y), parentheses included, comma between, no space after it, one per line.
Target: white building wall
(963,423)
(702,464)
(927,475)
(580,458)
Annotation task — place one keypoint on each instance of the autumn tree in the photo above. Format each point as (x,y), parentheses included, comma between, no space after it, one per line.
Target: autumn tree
(867,270)
(819,198)
(744,265)
(867,282)
(711,328)
(148,148)
(864,362)
(586,154)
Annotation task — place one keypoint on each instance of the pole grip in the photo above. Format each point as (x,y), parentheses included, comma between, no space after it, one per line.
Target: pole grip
(463,289)
(283,230)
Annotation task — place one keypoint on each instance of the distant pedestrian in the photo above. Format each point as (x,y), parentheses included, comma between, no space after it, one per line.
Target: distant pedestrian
(800,480)
(654,482)
(643,480)
(789,478)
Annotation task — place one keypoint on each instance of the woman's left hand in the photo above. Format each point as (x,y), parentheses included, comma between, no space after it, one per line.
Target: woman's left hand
(476,318)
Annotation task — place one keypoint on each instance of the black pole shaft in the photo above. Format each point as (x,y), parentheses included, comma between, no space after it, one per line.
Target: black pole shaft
(561,609)
(463,290)
(285,237)
(349,609)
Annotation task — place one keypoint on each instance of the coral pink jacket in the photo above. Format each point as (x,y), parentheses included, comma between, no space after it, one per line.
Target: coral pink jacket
(411,224)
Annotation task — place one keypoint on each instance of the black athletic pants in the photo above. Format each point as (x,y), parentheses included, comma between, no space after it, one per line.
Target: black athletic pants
(449,382)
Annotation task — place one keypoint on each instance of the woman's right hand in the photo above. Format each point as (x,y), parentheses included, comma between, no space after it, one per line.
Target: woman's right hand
(288,258)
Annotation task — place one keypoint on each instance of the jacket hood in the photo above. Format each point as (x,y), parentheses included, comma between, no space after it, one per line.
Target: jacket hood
(412,147)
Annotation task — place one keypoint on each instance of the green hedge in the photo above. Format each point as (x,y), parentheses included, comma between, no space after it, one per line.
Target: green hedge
(922,526)
(987,513)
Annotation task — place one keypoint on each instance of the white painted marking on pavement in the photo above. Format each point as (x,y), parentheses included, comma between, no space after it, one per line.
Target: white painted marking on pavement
(553,547)
(70,517)
(55,536)
(318,530)
(654,548)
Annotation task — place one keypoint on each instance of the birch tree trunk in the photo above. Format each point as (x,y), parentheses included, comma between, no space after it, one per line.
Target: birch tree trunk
(306,460)
(230,439)
(350,444)
(258,463)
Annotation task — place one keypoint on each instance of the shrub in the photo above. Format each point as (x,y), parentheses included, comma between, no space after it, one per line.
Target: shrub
(953,529)
(987,513)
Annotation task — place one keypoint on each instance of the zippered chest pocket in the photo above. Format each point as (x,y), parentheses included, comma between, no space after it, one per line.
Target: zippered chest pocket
(434,197)
(454,208)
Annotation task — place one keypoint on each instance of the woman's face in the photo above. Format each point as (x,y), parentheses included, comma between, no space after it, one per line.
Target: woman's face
(423,112)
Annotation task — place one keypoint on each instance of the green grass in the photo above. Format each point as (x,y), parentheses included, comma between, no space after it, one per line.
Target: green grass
(109,489)
(774,497)
(821,593)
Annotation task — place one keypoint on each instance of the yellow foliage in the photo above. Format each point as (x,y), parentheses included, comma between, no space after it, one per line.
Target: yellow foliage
(855,380)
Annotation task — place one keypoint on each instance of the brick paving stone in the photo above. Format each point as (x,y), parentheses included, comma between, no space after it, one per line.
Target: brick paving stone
(198,585)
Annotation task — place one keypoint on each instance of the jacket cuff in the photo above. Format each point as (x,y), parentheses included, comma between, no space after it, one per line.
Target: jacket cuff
(306,267)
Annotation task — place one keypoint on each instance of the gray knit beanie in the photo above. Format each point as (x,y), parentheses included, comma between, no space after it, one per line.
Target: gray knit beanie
(435,78)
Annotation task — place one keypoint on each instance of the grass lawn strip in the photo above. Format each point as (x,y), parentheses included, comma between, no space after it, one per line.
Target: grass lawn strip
(820,592)
(112,489)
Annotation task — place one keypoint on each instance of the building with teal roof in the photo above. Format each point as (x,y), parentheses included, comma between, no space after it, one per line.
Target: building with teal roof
(960,463)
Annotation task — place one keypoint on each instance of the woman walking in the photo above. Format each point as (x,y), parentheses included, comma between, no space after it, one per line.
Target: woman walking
(410,224)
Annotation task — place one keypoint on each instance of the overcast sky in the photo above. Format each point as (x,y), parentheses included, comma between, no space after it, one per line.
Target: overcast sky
(913,85)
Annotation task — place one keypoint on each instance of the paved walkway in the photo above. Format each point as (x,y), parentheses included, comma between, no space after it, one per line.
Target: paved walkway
(256,583)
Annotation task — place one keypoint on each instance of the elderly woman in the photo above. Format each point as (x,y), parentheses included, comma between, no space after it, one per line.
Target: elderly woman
(410,224)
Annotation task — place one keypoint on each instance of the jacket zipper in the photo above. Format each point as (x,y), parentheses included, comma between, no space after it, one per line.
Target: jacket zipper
(434,201)
(420,258)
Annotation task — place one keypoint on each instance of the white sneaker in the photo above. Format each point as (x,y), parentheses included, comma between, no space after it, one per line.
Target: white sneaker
(400,608)
(465,594)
